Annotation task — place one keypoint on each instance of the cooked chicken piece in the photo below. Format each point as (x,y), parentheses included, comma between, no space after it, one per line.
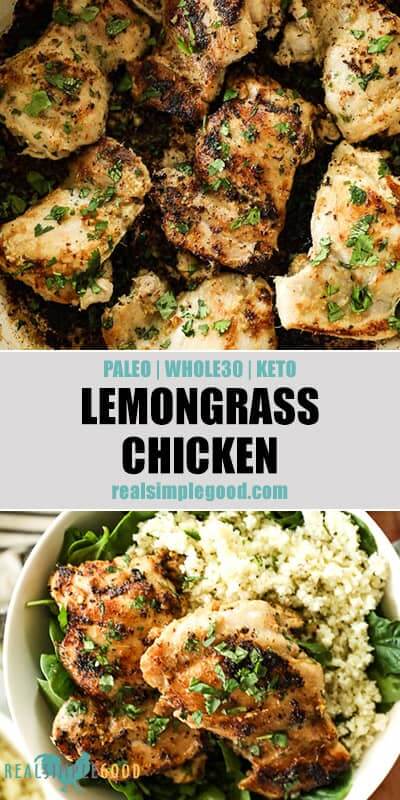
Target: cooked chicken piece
(128,737)
(111,608)
(192,269)
(232,208)
(239,674)
(359,45)
(226,312)
(202,37)
(153,8)
(17,331)
(60,246)
(54,95)
(349,285)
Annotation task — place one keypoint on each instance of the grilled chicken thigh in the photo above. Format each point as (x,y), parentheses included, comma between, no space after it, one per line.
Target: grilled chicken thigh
(54,95)
(128,735)
(112,606)
(225,312)
(60,246)
(239,674)
(230,206)
(202,37)
(17,331)
(359,46)
(349,285)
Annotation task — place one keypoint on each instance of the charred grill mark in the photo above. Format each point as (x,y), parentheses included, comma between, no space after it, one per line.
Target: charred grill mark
(229,10)
(195,14)
(212,142)
(297,715)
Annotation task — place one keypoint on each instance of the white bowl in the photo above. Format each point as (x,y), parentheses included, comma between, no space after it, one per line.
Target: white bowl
(26,638)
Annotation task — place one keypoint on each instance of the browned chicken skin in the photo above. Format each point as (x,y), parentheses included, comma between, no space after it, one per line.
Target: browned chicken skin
(202,37)
(129,733)
(230,207)
(239,674)
(55,94)
(112,607)
(61,246)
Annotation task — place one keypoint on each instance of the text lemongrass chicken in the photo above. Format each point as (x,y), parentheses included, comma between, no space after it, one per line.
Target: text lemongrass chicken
(233,648)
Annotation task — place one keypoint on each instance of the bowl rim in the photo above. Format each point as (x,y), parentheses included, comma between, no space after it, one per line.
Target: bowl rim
(389,752)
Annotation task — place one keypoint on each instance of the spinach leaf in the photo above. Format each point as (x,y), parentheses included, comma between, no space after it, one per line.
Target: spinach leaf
(337,792)
(317,651)
(234,773)
(80,547)
(211,793)
(71,536)
(367,541)
(55,633)
(58,685)
(122,535)
(384,636)
(46,601)
(389,687)
(129,790)
(287,519)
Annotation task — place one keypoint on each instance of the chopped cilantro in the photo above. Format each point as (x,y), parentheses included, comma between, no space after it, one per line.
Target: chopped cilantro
(167,305)
(361,299)
(357,195)
(89,13)
(374,75)
(285,129)
(106,683)
(116,25)
(76,707)
(381,44)
(58,213)
(155,727)
(193,535)
(331,290)
(216,166)
(230,94)
(39,229)
(115,172)
(253,217)
(185,167)
(360,227)
(383,168)
(39,102)
(65,83)
(222,325)
(210,638)
(323,252)
(334,312)
(251,133)
(187,327)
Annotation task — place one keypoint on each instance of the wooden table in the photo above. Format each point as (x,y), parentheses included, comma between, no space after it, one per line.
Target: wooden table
(389,521)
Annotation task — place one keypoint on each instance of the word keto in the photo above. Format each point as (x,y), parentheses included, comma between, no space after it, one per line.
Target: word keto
(198,368)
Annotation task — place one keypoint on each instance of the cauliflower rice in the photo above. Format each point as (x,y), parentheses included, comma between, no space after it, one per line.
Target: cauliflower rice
(319,568)
(11,788)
